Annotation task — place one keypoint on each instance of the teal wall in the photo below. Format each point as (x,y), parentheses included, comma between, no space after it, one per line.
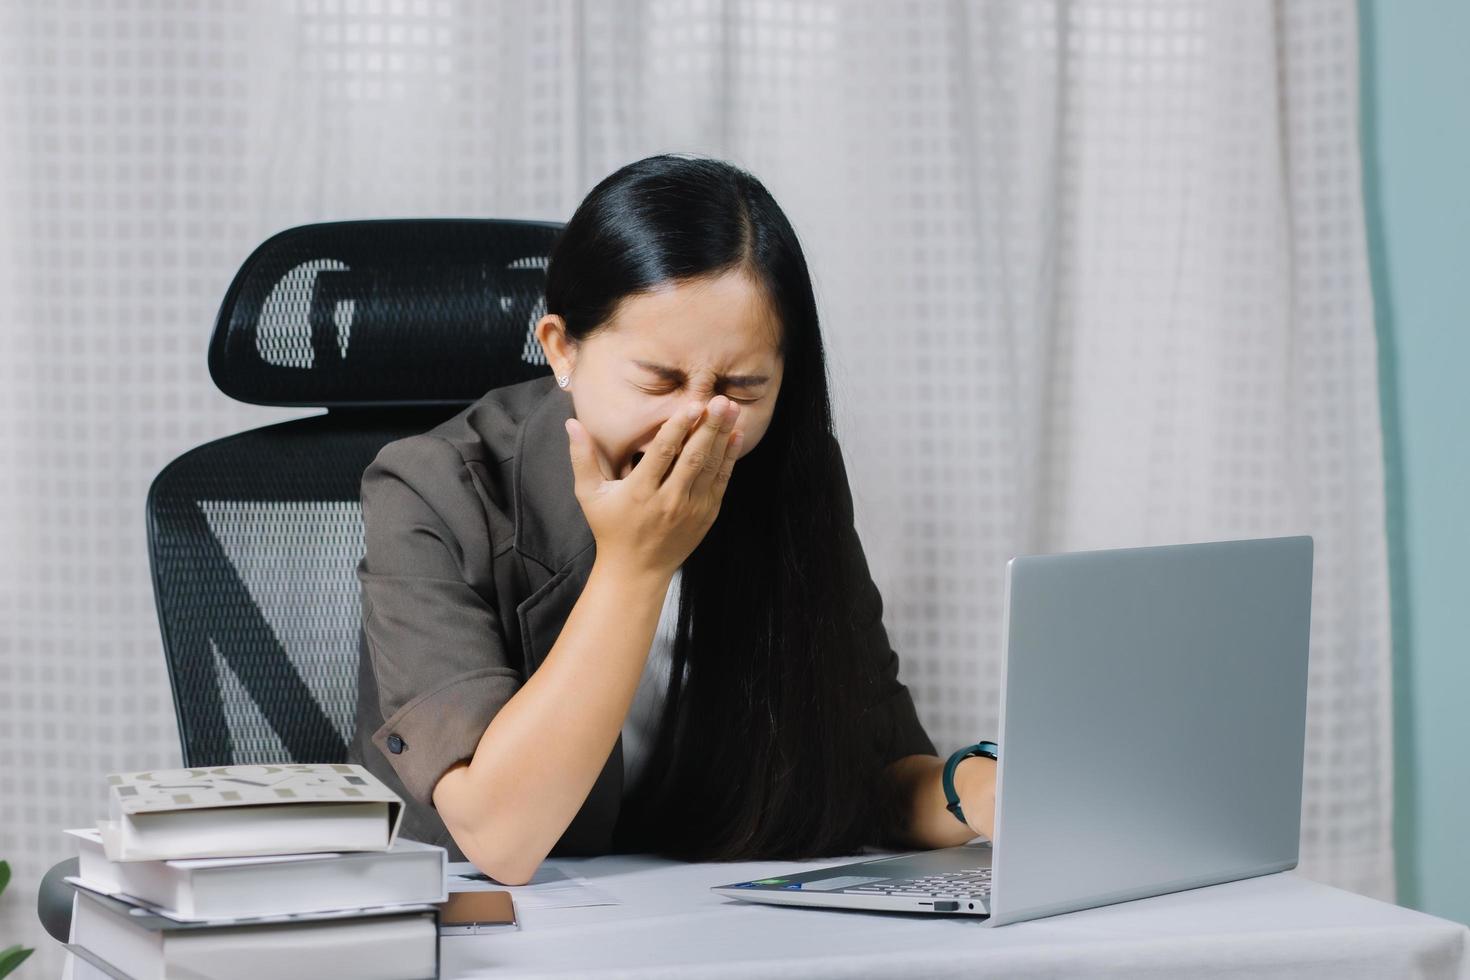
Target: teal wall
(1416,155)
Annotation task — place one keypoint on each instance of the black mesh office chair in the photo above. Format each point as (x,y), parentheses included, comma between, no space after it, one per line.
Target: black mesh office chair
(392,326)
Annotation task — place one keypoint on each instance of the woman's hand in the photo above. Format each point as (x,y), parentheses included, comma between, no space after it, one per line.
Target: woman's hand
(655,518)
(974,781)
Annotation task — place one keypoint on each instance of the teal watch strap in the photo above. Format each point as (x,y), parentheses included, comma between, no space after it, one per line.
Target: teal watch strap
(987,749)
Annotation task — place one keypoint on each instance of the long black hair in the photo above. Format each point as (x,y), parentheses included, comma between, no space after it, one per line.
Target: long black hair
(763,752)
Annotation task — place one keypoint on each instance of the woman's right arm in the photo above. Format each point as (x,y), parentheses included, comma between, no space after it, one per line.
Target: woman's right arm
(533,767)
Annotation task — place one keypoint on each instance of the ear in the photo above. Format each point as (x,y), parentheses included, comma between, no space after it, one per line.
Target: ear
(558,346)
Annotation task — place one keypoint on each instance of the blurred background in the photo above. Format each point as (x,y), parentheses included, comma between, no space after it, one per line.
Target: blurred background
(1091,274)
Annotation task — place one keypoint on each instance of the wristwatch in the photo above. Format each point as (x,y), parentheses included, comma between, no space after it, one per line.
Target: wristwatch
(988,749)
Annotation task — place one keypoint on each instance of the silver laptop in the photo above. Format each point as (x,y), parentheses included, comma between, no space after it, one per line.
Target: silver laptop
(1152,722)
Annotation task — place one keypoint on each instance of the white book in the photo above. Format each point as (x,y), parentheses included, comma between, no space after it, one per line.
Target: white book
(236,811)
(77,968)
(127,942)
(409,872)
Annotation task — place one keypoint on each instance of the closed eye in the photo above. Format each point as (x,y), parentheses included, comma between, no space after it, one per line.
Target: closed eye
(743,401)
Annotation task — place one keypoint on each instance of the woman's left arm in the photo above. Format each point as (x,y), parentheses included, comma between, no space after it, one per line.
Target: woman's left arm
(914,812)
(916,782)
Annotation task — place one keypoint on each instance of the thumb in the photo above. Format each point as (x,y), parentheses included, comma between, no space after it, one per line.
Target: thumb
(584,463)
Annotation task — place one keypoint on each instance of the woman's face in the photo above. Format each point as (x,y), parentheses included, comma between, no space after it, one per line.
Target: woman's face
(687,342)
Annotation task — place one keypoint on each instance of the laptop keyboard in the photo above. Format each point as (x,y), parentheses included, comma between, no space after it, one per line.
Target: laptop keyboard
(948,884)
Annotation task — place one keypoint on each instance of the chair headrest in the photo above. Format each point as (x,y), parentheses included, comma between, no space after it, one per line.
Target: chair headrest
(397,311)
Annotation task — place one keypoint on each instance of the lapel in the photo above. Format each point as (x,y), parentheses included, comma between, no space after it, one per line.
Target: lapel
(552,531)
(549,526)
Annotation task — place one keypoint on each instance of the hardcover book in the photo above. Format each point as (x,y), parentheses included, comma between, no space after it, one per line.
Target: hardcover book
(409,872)
(131,943)
(241,810)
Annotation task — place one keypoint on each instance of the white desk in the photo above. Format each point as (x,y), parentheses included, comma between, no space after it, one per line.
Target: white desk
(671,925)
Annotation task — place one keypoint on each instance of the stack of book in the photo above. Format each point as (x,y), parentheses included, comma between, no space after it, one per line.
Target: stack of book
(276,871)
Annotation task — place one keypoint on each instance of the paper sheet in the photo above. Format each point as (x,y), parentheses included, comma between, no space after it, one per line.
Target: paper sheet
(549,888)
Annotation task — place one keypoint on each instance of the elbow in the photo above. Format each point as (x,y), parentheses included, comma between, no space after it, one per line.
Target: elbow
(507,867)
(496,850)
(486,833)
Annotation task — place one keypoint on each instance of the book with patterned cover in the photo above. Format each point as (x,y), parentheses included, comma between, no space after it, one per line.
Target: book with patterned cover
(224,811)
(124,941)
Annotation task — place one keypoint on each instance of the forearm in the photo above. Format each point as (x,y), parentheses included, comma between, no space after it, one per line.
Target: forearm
(916,781)
(542,752)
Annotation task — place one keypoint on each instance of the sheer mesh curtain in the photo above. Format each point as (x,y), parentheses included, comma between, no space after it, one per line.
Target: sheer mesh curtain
(1092,274)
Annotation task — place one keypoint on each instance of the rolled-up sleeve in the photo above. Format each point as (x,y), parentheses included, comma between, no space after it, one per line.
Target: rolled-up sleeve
(895,722)
(435,643)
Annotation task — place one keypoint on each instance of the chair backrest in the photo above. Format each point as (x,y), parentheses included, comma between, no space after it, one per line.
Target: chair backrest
(392,326)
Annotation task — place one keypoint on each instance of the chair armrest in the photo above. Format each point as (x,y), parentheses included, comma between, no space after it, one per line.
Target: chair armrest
(53,900)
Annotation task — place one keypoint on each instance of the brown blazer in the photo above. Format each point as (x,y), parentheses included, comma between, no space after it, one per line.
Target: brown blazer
(476,552)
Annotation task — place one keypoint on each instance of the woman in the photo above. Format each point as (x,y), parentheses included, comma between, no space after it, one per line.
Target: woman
(625,608)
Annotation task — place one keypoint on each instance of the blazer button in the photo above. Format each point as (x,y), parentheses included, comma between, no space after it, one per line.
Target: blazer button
(395,744)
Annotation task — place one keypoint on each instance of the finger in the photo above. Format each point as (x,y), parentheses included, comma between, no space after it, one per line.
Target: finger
(649,472)
(722,478)
(588,472)
(604,463)
(704,478)
(698,450)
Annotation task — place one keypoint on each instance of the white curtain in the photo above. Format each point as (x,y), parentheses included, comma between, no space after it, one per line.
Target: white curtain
(1091,274)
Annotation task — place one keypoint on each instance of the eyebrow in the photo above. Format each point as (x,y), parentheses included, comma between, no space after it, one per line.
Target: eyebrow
(674,374)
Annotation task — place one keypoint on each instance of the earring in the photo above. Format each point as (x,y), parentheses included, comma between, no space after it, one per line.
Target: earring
(564,380)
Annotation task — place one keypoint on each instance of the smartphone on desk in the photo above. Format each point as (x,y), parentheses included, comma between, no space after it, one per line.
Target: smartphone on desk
(472,913)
